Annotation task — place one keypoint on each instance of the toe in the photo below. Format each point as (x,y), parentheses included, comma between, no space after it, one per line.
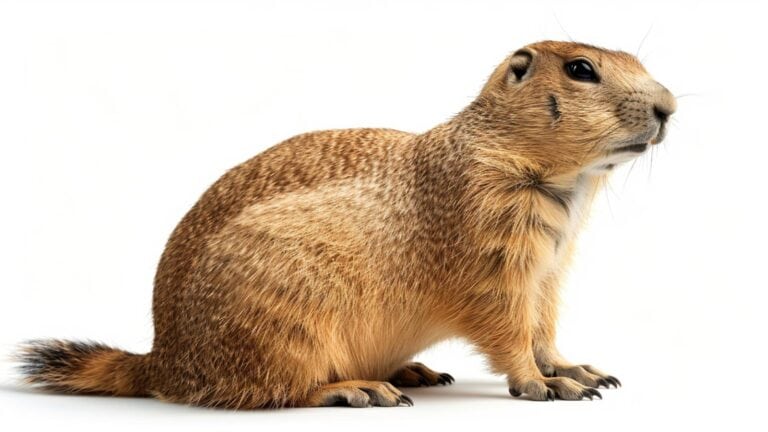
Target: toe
(418,375)
(376,398)
(357,399)
(385,395)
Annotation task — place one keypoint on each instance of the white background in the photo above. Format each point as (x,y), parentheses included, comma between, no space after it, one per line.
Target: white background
(114,118)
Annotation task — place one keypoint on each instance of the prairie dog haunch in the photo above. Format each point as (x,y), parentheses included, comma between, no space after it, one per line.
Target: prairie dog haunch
(311,274)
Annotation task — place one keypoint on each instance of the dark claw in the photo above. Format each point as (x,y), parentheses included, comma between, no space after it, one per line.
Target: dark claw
(603,382)
(614,381)
(406,400)
(423,382)
(590,392)
(447,377)
(441,381)
(550,395)
(514,392)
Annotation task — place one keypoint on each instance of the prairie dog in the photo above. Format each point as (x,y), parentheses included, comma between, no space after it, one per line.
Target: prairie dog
(311,274)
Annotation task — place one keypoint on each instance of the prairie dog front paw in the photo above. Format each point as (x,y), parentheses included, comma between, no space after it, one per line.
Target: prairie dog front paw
(584,374)
(553,388)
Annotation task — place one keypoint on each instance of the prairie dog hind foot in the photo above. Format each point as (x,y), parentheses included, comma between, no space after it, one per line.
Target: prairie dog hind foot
(358,394)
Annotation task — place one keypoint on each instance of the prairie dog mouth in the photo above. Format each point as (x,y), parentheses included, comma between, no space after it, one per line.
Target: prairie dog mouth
(617,155)
(632,148)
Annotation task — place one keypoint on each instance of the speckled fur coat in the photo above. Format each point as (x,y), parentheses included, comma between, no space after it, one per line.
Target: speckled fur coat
(311,274)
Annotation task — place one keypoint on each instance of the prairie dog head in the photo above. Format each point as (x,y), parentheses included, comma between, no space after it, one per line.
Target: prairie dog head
(577,105)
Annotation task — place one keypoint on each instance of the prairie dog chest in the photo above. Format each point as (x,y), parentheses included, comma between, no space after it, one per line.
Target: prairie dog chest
(578,203)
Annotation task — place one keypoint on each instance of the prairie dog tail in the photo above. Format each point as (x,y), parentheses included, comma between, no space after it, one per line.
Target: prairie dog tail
(83,367)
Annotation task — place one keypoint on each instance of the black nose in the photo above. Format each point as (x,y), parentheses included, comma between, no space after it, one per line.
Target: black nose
(661,114)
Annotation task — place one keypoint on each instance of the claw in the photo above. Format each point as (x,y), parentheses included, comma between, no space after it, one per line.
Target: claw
(603,382)
(423,382)
(550,395)
(447,377)
(615,381)
(406,400)
(514,392)
(593,392)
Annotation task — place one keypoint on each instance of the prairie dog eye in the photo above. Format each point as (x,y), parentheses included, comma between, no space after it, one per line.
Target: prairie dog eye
(581,70)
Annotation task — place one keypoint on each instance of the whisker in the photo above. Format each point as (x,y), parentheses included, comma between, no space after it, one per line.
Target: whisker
(650,164)
(605,135)
(608,191)
(561,27)
(601,138)
(643,40)
(666,149)
(629,172)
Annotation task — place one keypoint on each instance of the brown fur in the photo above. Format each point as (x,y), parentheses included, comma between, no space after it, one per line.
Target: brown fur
(312,273)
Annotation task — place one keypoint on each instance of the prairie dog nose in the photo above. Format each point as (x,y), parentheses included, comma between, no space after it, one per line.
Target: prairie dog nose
(664,103)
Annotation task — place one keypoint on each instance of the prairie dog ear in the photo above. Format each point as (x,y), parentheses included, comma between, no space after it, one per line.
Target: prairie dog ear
(520,65)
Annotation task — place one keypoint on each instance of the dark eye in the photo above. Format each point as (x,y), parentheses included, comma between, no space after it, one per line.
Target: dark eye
(581,70)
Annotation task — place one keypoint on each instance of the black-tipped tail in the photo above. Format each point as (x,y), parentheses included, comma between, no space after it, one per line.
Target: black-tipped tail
(82,367)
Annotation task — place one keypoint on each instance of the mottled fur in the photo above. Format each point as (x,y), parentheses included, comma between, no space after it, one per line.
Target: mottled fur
(311,274)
